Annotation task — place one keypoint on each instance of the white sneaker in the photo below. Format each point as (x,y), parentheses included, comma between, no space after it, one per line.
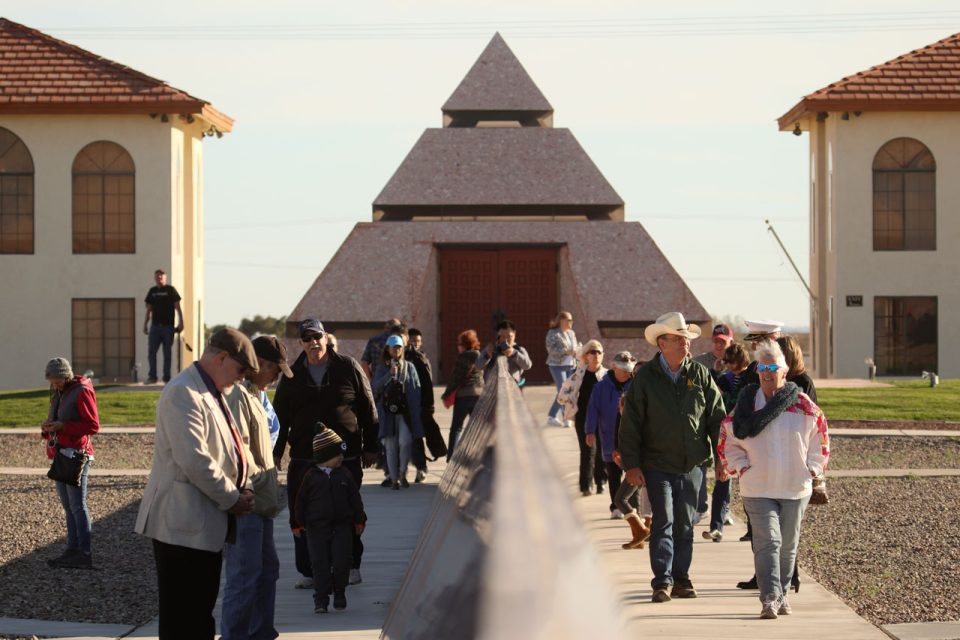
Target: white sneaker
(769,611)
(616,514)
(553,422)
(784,608)
(568,424)
(714,535)
(728,520)
(304,583)
(354,577)
(698,517)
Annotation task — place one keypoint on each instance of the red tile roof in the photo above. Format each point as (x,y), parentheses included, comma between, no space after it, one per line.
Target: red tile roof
(927,79)
(42,75)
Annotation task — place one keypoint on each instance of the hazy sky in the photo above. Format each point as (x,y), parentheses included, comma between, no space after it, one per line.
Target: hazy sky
(676,106)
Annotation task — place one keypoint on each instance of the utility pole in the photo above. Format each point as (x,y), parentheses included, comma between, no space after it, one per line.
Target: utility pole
(792,263)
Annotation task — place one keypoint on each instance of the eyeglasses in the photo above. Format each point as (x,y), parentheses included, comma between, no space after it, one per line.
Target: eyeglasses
(318,337)
(595,352)
(761,368)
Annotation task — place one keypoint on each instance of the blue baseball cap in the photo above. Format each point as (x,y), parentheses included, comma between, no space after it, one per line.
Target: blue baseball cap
(394,341)
(311,325)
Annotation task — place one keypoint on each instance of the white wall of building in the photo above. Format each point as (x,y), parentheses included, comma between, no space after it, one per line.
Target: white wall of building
(854,268)
(37,289)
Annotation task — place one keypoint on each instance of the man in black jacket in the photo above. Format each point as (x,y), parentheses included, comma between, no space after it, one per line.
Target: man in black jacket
(330,388)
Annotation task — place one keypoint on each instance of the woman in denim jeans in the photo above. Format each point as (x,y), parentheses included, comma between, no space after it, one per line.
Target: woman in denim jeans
(776,442)
(466,382)
(562,348)
(72,420)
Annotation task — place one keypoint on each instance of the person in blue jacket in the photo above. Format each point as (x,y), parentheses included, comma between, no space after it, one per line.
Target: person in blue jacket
(603,418)
(396,389)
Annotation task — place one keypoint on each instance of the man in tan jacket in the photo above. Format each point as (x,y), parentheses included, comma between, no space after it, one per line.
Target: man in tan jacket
(197,486)
(251,564)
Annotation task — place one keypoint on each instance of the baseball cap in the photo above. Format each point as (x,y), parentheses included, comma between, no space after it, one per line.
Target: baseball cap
(394,341)
(272,350)
(311,325)
(237,346)
(722,330)
(624,361)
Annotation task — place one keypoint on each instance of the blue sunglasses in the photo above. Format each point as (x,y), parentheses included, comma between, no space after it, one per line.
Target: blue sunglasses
(767,367)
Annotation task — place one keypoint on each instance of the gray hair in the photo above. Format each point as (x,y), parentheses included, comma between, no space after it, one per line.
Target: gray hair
(770,349)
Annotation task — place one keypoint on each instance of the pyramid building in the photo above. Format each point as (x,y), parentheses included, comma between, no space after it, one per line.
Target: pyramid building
(497,214)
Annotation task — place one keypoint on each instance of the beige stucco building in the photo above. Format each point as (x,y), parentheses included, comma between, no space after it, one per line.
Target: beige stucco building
(101,172)
(884,217)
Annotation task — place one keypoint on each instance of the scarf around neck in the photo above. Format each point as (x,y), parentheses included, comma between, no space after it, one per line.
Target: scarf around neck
(748,423)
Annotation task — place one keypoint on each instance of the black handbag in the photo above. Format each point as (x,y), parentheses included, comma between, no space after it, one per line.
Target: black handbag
(67,470)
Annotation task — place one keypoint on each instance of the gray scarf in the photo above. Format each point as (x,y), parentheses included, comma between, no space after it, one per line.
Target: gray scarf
(748,423)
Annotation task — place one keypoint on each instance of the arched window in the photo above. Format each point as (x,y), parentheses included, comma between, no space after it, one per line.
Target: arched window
(103,200)
(16,195)
(904,197)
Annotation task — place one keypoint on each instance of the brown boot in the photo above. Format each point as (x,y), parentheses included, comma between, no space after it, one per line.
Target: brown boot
(640,533)
(648,525)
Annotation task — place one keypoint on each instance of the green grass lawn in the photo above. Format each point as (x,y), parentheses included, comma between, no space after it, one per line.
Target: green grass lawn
(29,408)
(906,400)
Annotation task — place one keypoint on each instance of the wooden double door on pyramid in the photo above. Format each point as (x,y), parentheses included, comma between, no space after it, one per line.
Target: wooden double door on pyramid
(479,285)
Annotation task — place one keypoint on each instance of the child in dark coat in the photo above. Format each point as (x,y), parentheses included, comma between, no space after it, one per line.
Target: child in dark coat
(329,508)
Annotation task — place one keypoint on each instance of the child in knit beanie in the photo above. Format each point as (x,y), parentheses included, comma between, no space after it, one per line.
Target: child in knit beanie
(328,507)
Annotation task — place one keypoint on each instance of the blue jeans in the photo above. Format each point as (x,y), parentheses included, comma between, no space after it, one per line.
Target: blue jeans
(776,533)
(673,499)
(249,592)
(159,335)
(74,501)
(719,504)
(462,407)
(559,373)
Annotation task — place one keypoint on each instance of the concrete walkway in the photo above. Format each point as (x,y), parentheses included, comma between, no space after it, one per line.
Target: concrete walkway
(396,519)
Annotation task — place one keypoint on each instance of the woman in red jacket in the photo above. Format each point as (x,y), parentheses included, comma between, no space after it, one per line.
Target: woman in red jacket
(72,420)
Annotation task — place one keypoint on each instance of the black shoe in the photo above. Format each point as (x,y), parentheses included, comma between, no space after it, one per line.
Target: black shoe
(386,482)
(599,489)
(340,601)
(404,483)
(321,607)
(78,560)
(795,581)
(683,589)
(150,381)
(396,486)
(66,555)
(746,537)
(749,584)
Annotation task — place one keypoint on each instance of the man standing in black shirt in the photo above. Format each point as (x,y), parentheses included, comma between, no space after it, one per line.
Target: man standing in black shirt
(162,300)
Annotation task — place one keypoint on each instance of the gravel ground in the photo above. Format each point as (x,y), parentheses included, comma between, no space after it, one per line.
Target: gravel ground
(122,587)
(885,548)
(893,452)
(111,450)
(938,425)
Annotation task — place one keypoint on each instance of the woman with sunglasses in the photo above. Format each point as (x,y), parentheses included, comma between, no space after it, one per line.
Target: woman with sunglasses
(775,440)
(574,397)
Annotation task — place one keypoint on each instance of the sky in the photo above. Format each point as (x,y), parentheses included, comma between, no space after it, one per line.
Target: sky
(675,103)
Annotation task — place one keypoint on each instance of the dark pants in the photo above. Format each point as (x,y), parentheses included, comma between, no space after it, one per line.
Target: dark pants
(418,454)
(462,407)
(301,552)
(702,506)
(159,336)
(591,464)
(673,499)
(718,505)
(188,581)
(331,550)
(614,476)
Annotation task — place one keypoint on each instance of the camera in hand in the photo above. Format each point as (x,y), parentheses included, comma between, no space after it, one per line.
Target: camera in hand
(501,347)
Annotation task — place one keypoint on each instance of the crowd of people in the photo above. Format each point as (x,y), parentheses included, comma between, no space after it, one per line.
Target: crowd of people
(648,431)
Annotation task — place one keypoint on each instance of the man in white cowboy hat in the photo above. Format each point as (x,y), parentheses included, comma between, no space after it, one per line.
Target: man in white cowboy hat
(669,429)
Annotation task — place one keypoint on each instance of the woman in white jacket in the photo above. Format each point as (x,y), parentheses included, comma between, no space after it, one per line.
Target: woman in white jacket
(574,396)
(776,442)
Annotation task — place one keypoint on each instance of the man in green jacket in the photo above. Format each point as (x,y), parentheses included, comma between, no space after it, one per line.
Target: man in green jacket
(669,429)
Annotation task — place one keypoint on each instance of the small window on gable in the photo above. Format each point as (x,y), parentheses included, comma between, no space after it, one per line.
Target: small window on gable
(904,197)
(16,195)
(104,214)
